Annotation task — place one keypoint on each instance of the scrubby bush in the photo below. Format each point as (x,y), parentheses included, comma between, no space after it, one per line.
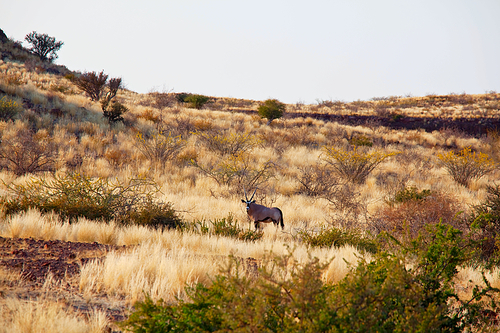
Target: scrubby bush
(196,101)
(337,237)
(485,223)
(22,151)
(271,109)
(241,170)
(360,140)
(77,195)
(159,147)
(95,86)
(9,108)
(92,84)
(408,291)
(181,97)
(114,112)
(467,165)
(43,45)
(410,211)
(226,227)
(354,165)
(410,194)
(316,180)
(229,143)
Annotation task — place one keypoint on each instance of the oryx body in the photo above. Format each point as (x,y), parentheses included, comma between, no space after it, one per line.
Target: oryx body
(259,213)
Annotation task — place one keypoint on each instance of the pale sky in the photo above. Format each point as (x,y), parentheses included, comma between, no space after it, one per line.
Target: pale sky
(295,51)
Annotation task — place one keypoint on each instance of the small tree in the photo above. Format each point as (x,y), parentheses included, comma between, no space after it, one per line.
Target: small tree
(98,88)
(93,84)
(43,45)
(271,109)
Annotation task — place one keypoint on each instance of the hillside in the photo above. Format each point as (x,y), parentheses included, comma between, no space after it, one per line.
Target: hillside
(152,203)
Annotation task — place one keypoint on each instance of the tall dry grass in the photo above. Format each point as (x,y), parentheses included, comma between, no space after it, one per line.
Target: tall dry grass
(162,263)
(45,316)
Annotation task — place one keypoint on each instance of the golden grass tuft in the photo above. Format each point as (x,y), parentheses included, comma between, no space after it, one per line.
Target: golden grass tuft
(45,316)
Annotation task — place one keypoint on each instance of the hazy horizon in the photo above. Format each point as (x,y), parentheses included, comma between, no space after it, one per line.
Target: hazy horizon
(292,51)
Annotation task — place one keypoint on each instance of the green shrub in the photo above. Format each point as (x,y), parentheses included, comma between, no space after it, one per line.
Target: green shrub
(409,194)
(8,108)
(271,109)
(361,140)
(328,237)
(196,101)
(159,215)
(181,97)
(467,165)
(383,295)
(114,112)
(354,165)
(485,223)
(76,195)
(226,227)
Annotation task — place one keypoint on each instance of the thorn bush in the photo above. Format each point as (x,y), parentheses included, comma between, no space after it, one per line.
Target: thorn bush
(467,165)
(24,151)
(159,147)
(77,195)
(354,165)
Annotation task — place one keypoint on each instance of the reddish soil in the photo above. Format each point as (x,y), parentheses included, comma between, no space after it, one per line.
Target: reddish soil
(30,260)
(35,258)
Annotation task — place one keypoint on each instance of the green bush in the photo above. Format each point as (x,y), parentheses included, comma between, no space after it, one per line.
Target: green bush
(181,97)
(271,109)
(361,140)
(76,195)
(226,227)
(409,194)
(196,101)
(384,295)
(485,223)
(328,237)
(114,112)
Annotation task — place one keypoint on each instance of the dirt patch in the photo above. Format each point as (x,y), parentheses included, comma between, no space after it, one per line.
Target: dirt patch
(34,259)
(33,269)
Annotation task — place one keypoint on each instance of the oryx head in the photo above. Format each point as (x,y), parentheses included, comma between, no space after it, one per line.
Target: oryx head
(248,201)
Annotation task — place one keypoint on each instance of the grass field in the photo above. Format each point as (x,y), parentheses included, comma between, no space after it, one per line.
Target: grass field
(202,160)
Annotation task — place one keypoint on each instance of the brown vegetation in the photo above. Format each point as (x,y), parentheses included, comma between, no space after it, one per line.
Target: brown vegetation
(334,164)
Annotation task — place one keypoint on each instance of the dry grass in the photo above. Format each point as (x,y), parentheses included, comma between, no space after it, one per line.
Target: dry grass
(162,263)
(45,316)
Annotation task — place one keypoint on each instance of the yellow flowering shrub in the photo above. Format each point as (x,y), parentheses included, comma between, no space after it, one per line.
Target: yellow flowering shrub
(466,165)
(356,164)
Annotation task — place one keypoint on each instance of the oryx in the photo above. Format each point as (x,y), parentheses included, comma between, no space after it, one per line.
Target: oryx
(259,213)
